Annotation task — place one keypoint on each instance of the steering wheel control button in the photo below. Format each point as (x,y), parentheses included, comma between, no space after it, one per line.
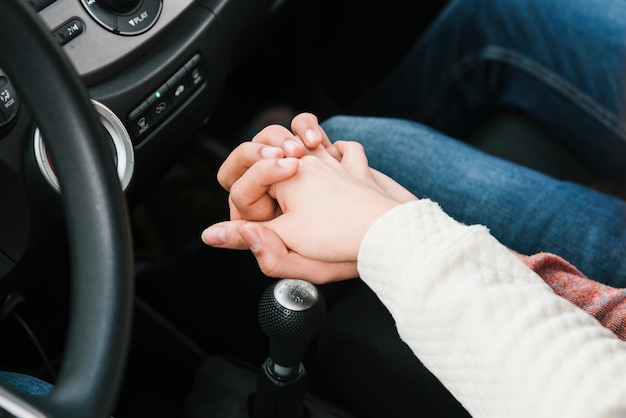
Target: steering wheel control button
(9,102)
(124,17)
(69,31)
(121,147)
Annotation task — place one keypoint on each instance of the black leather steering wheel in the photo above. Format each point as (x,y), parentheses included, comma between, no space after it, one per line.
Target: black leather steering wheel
(96,217)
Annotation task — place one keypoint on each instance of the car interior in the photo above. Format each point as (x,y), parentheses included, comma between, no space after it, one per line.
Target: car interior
(106,290)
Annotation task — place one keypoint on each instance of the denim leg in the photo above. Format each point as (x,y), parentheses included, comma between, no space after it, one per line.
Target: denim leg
(526,210)
(560,61)
(26,384)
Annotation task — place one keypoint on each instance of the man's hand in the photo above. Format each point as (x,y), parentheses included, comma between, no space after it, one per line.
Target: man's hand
(322,208)
(274,141)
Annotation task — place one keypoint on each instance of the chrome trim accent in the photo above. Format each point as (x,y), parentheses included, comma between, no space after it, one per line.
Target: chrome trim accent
(121,141)
(296,295)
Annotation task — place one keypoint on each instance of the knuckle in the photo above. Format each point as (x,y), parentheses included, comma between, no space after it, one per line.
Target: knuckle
(222,179)
(270,267)
(238,194)
(269,133)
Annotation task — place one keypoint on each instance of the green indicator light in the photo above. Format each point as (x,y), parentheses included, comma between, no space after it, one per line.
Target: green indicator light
(158,94)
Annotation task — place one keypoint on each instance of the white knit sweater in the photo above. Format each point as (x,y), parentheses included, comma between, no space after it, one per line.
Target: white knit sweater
(487,326)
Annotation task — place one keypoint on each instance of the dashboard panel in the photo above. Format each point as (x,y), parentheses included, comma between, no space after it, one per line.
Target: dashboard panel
(153,68)
(93,40)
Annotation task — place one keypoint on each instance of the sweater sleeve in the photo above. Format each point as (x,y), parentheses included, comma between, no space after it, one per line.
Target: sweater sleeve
(485,324)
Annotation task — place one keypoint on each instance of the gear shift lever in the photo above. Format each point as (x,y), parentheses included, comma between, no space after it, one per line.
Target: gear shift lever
(291,313)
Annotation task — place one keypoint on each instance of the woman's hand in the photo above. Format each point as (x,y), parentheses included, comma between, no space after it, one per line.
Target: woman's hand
(305,217)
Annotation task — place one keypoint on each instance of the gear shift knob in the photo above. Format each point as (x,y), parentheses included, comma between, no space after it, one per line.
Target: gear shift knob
(291,313)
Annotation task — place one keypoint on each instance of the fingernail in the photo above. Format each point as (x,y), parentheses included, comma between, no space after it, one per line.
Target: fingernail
(252,239)
(290,146)
(311,136)
(214,235)
(271,152)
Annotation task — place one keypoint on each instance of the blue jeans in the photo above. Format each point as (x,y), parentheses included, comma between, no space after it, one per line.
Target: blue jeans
(25,383)
(560,61)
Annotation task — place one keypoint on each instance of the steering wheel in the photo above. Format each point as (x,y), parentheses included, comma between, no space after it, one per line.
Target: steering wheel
(96,219)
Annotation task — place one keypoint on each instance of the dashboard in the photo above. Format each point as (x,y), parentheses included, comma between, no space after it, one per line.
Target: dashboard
(154,70)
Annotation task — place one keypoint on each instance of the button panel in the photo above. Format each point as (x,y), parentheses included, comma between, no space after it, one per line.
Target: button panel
(166,98)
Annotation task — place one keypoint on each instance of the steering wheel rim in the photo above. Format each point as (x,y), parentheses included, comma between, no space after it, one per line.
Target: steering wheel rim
(96,217)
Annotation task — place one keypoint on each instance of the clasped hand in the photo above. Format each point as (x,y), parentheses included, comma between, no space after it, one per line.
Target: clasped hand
(301,204)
